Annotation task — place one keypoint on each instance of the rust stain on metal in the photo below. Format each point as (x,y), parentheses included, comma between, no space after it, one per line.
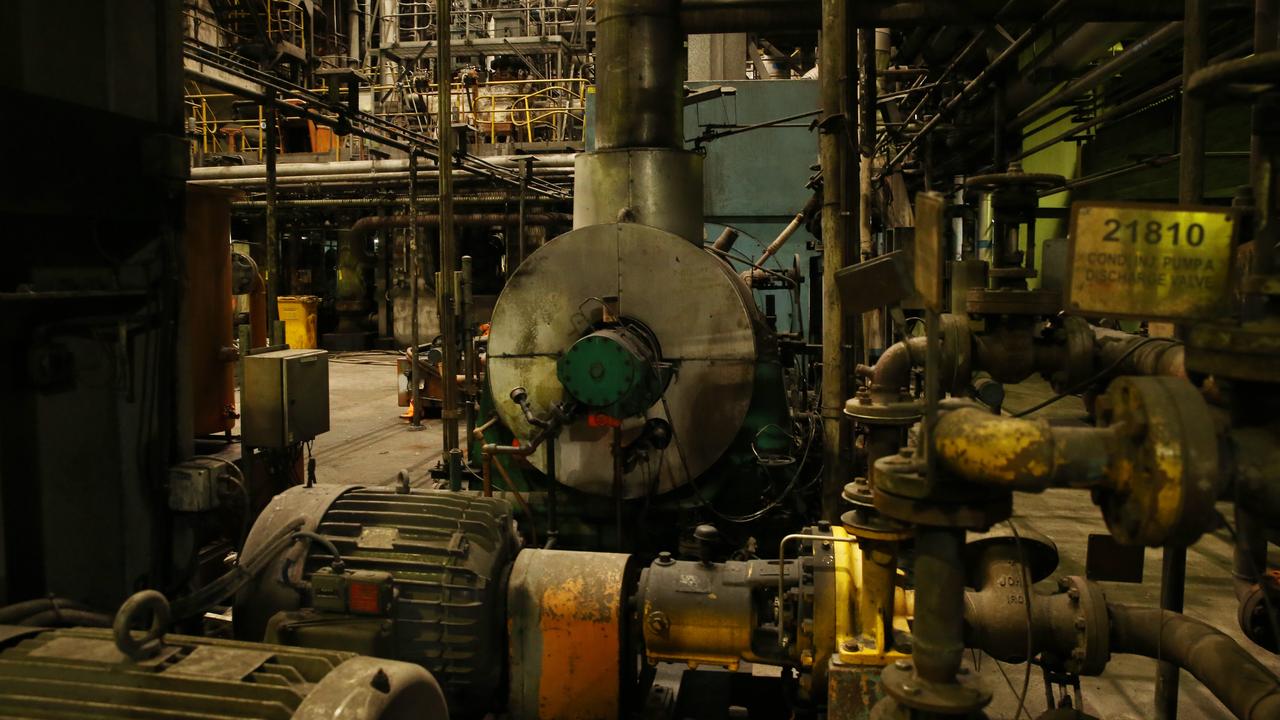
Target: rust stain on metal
(996,450)
(578,604)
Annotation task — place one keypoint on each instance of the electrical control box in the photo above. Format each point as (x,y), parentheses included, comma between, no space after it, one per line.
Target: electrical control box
(193,485)
(285,398)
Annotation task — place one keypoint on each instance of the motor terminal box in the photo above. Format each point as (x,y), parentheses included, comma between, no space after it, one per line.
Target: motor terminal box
(355,592)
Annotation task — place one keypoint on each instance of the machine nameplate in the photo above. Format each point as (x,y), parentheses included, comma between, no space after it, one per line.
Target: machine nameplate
(1149,261)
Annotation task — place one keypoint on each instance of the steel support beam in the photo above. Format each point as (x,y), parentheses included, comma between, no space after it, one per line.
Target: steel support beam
(722,16)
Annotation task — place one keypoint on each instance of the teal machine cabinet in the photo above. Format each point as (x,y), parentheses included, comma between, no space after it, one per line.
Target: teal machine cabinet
(635,379)
(756,181)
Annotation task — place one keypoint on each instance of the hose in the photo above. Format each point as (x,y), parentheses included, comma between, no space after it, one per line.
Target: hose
(65,617)
(1247,688)
(17,613)
(335,558)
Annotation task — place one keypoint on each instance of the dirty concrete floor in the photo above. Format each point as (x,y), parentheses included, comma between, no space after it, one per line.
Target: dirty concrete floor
(369,443)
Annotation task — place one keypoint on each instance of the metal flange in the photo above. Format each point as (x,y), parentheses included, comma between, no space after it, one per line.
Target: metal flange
(984,301)
(960,698)
(864,410)
(902,492)
(1163,493)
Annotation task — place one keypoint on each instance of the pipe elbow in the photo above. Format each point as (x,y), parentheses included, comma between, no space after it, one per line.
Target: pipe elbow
(988,449)
(891,374)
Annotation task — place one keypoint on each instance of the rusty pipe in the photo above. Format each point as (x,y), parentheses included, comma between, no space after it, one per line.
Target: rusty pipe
(1026,455)
(1155,356)
(1248,689)
(891,375)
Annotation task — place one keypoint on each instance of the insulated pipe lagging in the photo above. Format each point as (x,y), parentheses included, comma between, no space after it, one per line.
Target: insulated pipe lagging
(1247,688)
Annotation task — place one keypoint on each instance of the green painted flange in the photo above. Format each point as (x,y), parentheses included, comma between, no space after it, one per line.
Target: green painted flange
(611,370)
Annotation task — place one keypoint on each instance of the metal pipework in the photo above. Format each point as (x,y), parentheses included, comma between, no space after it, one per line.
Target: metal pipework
(1026,455)
(1153,462)
(639,94)
(1248,689)
(1067,629)
(938,638)
(722,16)
(1011,353)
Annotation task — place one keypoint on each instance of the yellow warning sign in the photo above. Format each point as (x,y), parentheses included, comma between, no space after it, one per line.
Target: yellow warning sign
(1149,261)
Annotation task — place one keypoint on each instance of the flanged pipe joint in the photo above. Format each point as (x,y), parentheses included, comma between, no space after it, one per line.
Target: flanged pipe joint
(1153,462)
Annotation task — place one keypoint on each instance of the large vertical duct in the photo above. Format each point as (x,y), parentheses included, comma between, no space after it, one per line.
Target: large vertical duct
(639,171)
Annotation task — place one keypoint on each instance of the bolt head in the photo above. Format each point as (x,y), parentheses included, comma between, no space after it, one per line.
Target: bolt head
(1077,654)
(1074,593)
(902,664)
(910,689)
(1080,623)
(849,646)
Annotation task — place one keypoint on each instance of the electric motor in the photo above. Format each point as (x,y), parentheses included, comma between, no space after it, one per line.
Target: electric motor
(419,576)
(81,672)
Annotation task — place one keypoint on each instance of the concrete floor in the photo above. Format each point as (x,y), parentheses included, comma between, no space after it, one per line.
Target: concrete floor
(369,443)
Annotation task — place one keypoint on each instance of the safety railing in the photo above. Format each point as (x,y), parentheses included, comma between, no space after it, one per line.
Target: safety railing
(507,109)
(416,20)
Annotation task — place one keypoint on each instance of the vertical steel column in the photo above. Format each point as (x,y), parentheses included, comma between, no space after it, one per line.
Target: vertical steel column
(1173,575)
(270,136)
(1262,169)
(448,247)
(520,230)
(414,252)
(470,363)
(833,155)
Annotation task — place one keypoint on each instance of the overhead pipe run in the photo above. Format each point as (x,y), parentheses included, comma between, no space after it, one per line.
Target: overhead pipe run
(372,167)
(725,16)
(366,225)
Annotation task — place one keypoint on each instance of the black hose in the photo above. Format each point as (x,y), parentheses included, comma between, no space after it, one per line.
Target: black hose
(1248,689)
(16,613)
(65,617)
(335,558)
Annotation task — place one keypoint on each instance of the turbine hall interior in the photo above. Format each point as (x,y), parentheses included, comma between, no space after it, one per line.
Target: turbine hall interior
(640,360)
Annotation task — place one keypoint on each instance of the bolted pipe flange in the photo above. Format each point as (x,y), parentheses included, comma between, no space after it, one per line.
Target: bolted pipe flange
(961,697)
(1092,627)
(1163,491)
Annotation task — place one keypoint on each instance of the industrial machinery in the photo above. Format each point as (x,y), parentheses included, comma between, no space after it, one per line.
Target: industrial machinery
(636,402)
(608,387)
